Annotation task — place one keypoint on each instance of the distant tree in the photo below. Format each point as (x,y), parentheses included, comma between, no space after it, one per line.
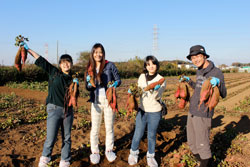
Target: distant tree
(223,66)
(136,62)
(237,64)
(83,58)
(167,66)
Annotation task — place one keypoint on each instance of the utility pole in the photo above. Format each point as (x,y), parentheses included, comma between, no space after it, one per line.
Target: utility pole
(155,40)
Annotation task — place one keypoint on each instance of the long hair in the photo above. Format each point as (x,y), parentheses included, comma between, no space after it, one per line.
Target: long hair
(92,62)
(154,61)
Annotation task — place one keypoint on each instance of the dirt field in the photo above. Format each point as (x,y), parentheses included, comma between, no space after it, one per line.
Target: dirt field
(23,129)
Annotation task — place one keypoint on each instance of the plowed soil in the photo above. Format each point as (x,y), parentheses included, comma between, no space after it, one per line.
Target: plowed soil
(22,145)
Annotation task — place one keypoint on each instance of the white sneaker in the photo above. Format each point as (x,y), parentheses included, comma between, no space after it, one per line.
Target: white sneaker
(64,163)
(95,158)
(43,162)
(110,155)
(133,157)
(151,160)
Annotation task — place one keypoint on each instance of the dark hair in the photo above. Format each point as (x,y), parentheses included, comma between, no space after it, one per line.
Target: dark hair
(65,57)
(92,62)
(154,61)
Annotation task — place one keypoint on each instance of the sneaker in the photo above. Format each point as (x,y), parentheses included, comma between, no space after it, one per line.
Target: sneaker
(110,155)
(64,163)
(151,160)
(43,162)
(95,158)
(133,157)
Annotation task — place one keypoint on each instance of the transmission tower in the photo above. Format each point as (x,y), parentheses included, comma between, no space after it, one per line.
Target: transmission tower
(155,40)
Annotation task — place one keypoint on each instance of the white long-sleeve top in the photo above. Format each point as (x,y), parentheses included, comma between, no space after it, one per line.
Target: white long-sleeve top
(148,100)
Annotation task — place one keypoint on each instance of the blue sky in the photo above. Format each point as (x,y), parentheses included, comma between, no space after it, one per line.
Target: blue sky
(125,28)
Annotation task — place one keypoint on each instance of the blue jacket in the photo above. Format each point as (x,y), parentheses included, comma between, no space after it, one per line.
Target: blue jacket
(110,73)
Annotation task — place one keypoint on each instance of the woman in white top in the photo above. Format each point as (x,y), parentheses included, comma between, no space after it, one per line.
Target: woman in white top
(149,112)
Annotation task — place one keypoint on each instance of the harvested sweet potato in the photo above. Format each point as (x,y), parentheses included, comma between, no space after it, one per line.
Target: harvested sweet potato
(183,90)
(112,99)
(18,63)
(152,85)
(109,94)
(23,54)
(205,91)
(182,93)
(214,100)
(91,74)
(72,95)
(131,103)
(182,103)
(177,93)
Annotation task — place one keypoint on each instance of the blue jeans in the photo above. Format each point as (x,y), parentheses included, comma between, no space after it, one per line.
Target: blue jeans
(56,119)
(151,119)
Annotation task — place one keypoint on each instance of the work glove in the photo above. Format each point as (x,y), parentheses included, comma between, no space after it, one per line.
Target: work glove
(76,81)
(24,45)
(88,79)
(215,81)
(115,84)
(157,87)
(129,91)
(184,77)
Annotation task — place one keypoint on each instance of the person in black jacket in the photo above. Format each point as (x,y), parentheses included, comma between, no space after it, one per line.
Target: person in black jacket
(199,118)
(102,72)
(58,114)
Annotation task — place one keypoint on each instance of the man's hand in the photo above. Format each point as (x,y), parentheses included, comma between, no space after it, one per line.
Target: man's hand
(215,81)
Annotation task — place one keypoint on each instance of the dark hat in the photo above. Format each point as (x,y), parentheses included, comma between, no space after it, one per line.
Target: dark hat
(66,57)
(197,49)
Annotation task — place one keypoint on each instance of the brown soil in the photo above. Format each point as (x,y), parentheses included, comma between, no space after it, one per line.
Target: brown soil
(19,147)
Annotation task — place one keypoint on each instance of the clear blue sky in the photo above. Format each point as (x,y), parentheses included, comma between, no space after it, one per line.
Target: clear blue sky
(125,28)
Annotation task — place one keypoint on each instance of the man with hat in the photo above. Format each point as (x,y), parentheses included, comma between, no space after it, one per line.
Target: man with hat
(200,118)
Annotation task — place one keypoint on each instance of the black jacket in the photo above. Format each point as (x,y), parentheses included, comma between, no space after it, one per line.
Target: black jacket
(58,82)
(201,76)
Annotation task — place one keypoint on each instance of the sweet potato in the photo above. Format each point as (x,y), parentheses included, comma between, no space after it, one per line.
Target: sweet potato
(183,90)
(91,74)
(182,93)
(73,93)
(205,91)
(182,103)
(131,103)
(23,54)
(114,101)
(109,94)
(18,63)
(177,93)
(214,98)
(70,93)
(152,85)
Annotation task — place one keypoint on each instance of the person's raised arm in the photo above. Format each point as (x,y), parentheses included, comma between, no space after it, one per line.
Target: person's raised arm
(31,52)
